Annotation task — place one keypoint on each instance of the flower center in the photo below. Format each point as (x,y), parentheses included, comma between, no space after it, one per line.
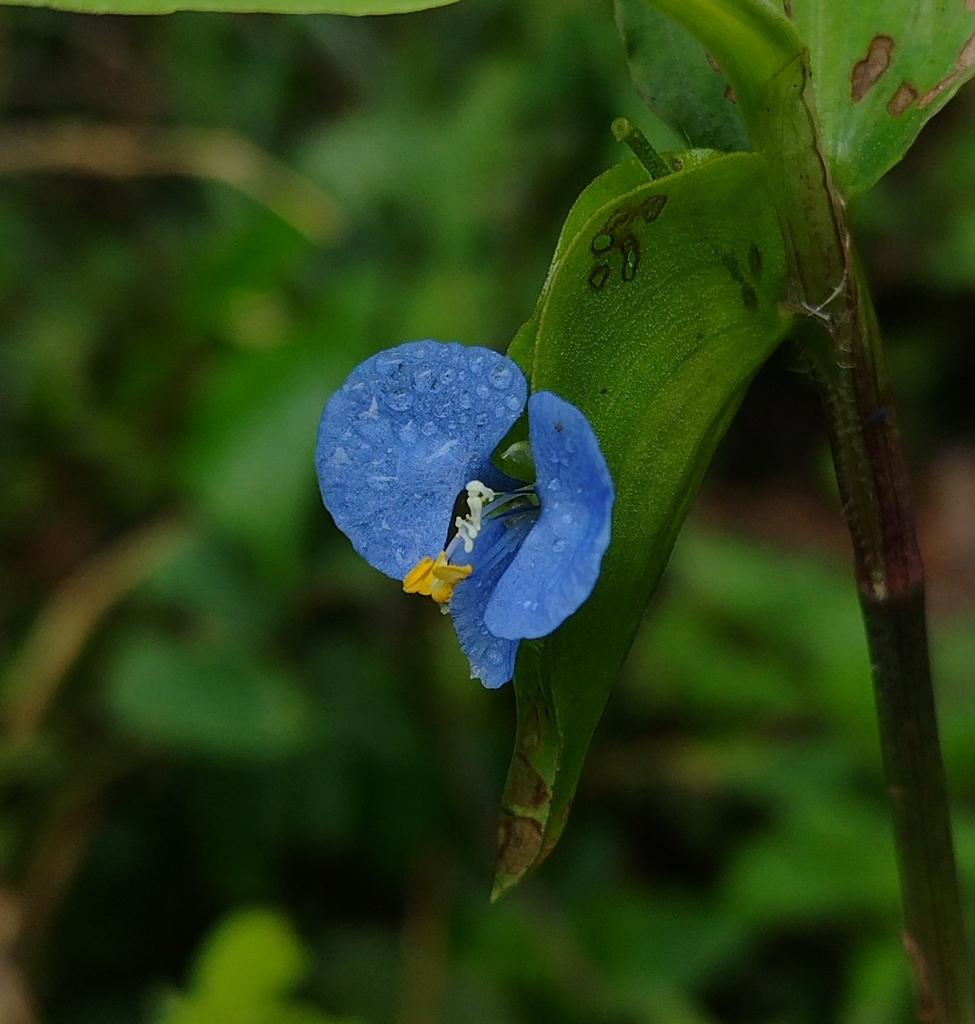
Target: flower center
(437,577)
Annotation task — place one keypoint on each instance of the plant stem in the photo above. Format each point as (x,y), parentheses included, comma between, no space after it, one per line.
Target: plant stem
(849,366)
(768,66)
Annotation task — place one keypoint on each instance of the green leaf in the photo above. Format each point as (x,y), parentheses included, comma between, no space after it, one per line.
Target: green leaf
(677,81)
(755,45)
(661,303)
(356,7)
(204,700)
(880,71)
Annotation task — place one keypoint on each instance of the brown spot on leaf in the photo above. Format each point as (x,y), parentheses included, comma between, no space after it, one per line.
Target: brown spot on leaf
(729,94)
(715,66)
(599,275)
(787,7)
(531,731)
(903,97)
(525,786)
(867,71)
(970,5)
(519,840)
(966,58)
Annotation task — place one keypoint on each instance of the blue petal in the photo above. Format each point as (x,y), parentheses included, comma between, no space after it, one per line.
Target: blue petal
(557,566)
(403,435)
(492,658)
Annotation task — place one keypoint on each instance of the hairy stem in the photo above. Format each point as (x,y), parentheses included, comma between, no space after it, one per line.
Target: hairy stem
(849,366)
(759,49)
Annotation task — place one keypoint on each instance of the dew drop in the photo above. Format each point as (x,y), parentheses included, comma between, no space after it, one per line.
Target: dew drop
(494,656)
(381,483)
(464,400)
(558,545)
(513,403)
(399,400)
(501,377)
(428,429)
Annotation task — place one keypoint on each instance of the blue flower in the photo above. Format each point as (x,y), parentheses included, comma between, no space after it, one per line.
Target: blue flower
(412,430)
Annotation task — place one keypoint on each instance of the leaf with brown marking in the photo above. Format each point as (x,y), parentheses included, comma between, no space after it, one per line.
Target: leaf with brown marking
(661,302)
(880,71)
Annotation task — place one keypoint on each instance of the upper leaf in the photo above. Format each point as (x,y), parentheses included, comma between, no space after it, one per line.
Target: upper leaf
(880,71)
(661,303)
(356,7)
(875,73)
(677,80)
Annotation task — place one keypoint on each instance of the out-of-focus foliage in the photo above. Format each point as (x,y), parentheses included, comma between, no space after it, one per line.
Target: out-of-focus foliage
(245,973)
(210,703)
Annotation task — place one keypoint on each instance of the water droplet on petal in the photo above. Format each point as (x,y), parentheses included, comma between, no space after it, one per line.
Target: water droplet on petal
(464,400)
(424,378)
(558,545)
(428,429)
(380,482)
(399,400)
(501,376)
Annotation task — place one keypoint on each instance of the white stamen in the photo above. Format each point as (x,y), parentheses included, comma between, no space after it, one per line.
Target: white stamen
(481,501)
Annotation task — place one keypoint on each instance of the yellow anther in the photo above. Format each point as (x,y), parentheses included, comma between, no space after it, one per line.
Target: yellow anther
(435,579)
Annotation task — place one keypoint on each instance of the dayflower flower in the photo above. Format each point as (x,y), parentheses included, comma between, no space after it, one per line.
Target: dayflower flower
(403,459)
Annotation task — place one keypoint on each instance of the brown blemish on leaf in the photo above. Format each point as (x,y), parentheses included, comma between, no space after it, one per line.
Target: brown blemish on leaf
(715,66)
(531,731)
(903,97)
(867,71)
(519,841)
(970,5)
(619,234)
(966,58)
(525,786)
(729,94)
(599,275)
(787,7)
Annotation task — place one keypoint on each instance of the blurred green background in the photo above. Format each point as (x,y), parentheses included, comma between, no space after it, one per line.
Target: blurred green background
(243,779)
